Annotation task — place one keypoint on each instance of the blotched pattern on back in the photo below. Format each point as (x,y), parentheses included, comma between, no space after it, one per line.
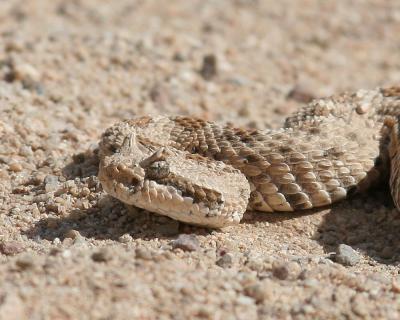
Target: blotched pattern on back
(204,173)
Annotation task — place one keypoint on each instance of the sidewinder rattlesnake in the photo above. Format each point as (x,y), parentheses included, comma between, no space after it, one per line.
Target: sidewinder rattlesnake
(202,173)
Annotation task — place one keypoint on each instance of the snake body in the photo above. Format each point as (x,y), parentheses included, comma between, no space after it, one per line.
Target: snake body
(202,173)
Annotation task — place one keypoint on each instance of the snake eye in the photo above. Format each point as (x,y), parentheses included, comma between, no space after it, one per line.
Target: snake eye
(157,170)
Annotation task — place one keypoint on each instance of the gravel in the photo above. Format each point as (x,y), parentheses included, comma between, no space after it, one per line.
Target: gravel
(346,255)
(186,242)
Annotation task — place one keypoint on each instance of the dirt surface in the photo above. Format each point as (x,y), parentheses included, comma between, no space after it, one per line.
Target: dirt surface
(69,69)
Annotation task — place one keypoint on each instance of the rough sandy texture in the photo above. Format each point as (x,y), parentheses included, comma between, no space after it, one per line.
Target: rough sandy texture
(69,69)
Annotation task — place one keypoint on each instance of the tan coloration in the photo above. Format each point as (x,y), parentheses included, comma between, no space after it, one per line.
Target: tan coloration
(393,127)
(195,171)
(168,181)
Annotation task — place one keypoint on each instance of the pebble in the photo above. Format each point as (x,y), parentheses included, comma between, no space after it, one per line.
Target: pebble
(25,262)
(38,178)
(26,151)
(144,254)
(103,255)
(225,261)
(311,283)
(346,255)
(209,67)
(51,183)
(255,262)
(257,291)
(159,95)
(300,94)
(15,166)
(80,241)
(125,238)
(280,271)
(186,242)
(10,248)
(396,285)
(72,234)
(25,72)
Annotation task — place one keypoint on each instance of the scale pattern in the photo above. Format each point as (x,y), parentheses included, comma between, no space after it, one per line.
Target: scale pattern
(207,174)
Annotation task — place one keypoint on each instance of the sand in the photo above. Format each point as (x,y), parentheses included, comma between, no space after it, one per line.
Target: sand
(70,69)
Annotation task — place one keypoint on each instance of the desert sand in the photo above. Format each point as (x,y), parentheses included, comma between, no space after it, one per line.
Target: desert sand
(70,69)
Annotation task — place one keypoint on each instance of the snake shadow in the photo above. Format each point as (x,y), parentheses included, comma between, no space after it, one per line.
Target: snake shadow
(369,223)
(110,220)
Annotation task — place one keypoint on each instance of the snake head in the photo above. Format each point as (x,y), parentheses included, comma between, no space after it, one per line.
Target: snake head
(139,167)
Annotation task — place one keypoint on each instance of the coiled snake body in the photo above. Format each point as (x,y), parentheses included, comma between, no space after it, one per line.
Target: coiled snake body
(202,173)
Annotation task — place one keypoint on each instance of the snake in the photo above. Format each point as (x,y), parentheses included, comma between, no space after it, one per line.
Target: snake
(204,173)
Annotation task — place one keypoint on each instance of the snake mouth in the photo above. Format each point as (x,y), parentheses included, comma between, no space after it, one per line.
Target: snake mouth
(198,195)
(119,176)
(150,186)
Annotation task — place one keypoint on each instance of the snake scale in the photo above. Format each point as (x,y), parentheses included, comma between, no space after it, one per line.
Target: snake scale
(202,173)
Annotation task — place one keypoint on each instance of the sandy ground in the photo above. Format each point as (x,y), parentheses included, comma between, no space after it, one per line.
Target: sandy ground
(69,69)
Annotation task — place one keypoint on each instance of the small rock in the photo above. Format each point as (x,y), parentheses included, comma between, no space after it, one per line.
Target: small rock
(142,253)
(346,255)
(38,178)
(238,81)
(4,175)
(25,71)
(15,166)
(51,183)
(26,151)
(311,283)
(159,95)
(72,234)
(255,261)
(396,285)
(50,179)
(10,248)
(256,291)
(103,255)
(226,261)
(280,271)
(300,94)
(186,242)
(66,253)
(179,57)
(209,67)
(25,262)
(80,241)
(125,238)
